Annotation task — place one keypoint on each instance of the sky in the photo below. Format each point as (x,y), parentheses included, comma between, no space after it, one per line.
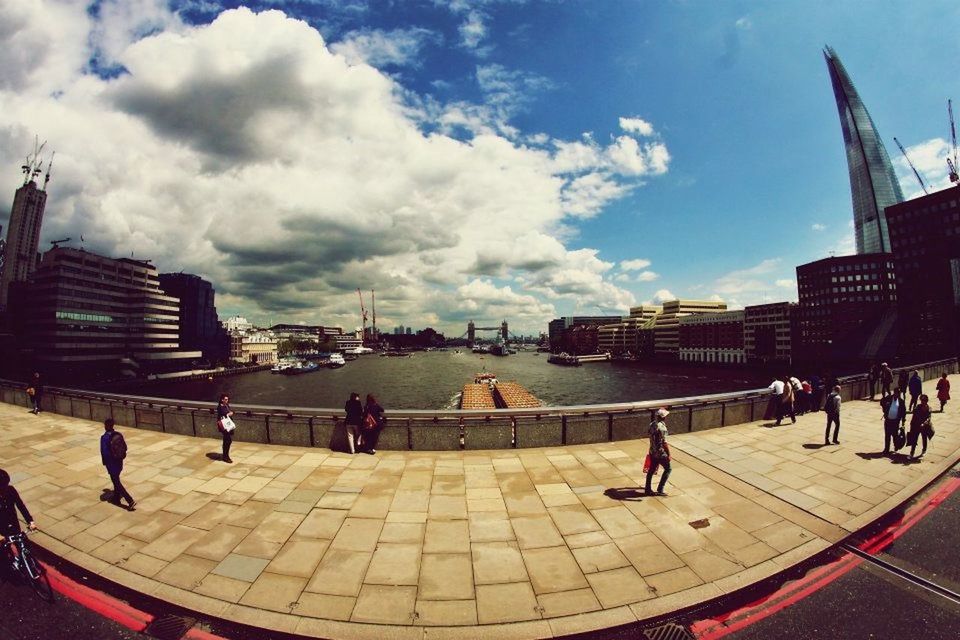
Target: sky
(467,159)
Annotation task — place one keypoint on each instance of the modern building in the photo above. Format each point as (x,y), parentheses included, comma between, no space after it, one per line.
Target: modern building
(925,238)
(873,184)
(768,332)
(712,337)
(623,337)
(85,313)
(200,328)
(666,325)
(846,311)
(23,236)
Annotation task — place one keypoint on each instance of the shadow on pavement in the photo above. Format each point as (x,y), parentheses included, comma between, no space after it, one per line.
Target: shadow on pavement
(624,493)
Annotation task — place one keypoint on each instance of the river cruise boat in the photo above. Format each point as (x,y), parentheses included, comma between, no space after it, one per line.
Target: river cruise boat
(358,351)
(335,361)
(564,360)
(283,364)
(300,367)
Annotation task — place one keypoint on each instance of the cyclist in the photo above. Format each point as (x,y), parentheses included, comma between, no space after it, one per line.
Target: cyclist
(9,502)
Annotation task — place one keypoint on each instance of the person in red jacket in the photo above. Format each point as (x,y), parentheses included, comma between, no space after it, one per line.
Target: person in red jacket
(943,391)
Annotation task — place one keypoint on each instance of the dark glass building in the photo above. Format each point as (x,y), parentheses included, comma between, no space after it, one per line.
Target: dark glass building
(200,328)
(873,184)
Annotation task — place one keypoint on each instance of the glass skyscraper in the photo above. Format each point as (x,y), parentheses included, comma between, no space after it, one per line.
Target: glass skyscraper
(873,184)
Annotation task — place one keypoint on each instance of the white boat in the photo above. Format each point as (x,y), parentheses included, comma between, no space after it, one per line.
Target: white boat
(284,364)
(358,351)
(335,361)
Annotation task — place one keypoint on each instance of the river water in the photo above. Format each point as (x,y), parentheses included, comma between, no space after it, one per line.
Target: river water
(433,380)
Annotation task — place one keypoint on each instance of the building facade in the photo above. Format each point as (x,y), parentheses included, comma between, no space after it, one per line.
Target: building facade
(560,329)
(23,237)
(768,332)
(237,324)
(846,310)
(925,237)
(666,327)
(84,312)
(873,183)
(254,347)
(200,328)
(712,337)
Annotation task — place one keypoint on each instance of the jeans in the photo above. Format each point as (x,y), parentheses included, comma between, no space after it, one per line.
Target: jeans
(890,428)
(119,492)
(835,420)
(227,441)
(654,463)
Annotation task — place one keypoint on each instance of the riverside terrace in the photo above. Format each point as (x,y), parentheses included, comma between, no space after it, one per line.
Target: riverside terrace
(431,430)
(523,543)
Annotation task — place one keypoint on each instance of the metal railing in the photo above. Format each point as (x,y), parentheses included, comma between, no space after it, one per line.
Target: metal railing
(428,430)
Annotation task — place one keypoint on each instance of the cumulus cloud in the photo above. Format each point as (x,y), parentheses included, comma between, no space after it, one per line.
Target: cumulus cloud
(381,48)
(930,159)
(816,226)
(663,295)
(647,276)
(756,284)
(744,23)
(638,126)
(289,172)
(635,265)
(473,30)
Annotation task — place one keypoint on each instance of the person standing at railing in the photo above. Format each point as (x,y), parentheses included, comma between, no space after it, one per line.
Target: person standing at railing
(832,407)
(10,501)
(873,376)
(659,453)
(353,421)
(773,407)
(943,391)
(372,425)
(786,403)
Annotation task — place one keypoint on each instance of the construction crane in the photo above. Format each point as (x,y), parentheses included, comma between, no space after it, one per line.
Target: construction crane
(363,315)
(952,162)
(373,331)
(915,172)
(56,243)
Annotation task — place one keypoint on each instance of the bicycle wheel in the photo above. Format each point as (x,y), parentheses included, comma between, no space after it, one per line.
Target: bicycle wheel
(36,575)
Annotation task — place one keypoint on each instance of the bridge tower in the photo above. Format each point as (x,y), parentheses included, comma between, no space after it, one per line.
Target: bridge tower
(471,332)
(504,332)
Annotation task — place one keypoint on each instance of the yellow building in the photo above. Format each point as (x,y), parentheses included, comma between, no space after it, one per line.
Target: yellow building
(666,326)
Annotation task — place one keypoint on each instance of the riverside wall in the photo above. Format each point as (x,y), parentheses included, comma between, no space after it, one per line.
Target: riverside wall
(432,430)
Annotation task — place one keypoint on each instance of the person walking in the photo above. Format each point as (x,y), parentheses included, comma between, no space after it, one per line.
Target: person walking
(10,501)
(920,422)
(894,417)
(915,386)
(659,453)
(35,391)
(873,376)
(832,407)
(113,451)
(886,379)
(786,403)
(354,419)
(373,422)
(225,425)
(943,391)
(903,379)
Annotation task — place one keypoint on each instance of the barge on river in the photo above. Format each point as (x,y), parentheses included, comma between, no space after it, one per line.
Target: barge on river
(487,392)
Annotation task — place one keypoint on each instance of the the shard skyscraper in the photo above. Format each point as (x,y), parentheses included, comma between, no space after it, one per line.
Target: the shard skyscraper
(873,184)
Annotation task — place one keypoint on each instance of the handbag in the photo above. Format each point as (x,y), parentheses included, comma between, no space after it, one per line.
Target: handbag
(31,391)
(647,462)
(927,427)
(227,424)
(899,439)
(369,422)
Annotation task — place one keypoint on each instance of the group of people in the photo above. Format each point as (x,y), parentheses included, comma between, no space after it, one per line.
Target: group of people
(793,397)
(895,408)
(364,422)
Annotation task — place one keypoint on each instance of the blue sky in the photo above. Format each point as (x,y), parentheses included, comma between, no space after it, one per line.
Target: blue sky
(475,159)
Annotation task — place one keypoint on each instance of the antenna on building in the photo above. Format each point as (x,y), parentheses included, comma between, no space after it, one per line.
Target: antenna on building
(915,172)
(952,164)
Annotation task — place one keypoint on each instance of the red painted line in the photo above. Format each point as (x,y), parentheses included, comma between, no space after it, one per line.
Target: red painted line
(727,623)
(107,606)
(200,634)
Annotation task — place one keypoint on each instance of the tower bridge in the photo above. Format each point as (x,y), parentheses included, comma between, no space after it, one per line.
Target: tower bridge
(472,328)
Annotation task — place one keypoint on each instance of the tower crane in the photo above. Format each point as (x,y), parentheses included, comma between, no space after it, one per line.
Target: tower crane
(952,161)
(363,314)
(915,172)
(56,243)
(373,331)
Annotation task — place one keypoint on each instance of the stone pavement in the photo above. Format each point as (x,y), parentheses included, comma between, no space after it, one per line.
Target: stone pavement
(528,543)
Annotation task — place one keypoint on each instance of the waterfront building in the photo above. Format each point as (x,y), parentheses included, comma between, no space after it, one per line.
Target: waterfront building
(256,347)
(581,339)
(666,325)
(346,341)
(237,324)
(712,337)
(873,183)
(20,257)
(846,311)
(623,337)
(925,238)
(200,328)
(768,332)
(82,312)
(560,328)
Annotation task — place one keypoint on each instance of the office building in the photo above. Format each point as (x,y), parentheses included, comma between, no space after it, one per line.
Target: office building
(87,313)
(873,184)
(23,236)
(200,328)
(846,310)
(559,328)
(666,325)
(712,337)
(622,338)
(925,238)
(768,332)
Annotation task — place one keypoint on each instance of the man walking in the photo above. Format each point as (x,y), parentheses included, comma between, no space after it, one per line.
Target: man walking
(832,407)
(659,453)
(894,417)
(113,450)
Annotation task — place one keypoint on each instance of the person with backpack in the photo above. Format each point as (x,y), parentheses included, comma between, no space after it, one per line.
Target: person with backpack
(113,451)
(372,425)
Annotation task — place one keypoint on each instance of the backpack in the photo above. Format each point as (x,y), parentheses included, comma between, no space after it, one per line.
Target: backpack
(118,446)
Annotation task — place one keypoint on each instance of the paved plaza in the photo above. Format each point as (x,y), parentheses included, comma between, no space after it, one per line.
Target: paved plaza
(528,543)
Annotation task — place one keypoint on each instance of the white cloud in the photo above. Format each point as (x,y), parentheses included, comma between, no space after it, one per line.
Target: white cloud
(647,276)
(930,159)
(756,284)
(663,295)
(744,23)
(249,152)
(379,48)
(786,283)
(635,265)
(473,30)
(816,226)
(638,126)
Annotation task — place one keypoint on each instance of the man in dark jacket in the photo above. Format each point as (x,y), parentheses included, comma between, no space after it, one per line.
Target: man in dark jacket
(37,385)
(110,454)
(10,501)
(832,407)
(894,417)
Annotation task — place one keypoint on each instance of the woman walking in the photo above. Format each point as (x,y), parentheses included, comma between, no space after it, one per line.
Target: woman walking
(354,419)
(919,425)
(225,425)
(943,391)
(372,425)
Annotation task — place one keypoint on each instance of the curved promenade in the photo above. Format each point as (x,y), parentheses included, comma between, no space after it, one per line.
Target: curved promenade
(522,543)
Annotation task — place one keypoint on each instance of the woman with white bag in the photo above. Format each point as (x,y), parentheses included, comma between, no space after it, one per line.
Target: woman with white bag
(225,425)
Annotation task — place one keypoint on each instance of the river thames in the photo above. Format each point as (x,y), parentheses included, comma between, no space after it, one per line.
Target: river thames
(433,380)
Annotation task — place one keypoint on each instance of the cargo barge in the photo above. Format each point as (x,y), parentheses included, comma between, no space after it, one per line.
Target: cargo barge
(486,392)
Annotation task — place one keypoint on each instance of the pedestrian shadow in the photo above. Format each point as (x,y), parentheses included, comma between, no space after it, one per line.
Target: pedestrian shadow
(814,445)
(770,425)
(214,456)
(904,459)
(107,495)
(872,455)
(629,494)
